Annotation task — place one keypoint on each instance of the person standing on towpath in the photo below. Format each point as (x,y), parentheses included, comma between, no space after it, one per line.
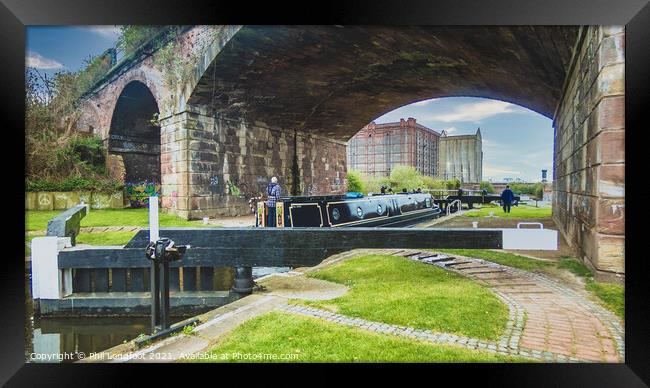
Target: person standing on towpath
(506,199)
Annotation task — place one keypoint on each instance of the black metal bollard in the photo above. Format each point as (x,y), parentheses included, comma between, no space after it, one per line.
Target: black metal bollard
(243,280)
(160,253)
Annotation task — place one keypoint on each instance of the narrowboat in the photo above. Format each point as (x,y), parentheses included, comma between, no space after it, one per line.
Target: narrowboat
(352,209)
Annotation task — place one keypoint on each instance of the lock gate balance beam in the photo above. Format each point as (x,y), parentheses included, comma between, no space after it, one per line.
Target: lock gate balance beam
(292,247)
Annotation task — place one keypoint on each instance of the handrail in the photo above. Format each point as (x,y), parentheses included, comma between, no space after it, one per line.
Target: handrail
(454,191)
(460,206)
(541,226)
(67,224)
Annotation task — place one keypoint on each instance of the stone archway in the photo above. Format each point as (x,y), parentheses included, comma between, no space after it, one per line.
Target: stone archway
(134,135)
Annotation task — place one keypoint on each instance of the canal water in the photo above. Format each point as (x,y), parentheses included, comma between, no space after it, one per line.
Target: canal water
(64,339)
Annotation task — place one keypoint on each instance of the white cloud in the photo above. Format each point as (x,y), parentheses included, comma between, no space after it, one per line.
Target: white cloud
(495,146)
(476,111)
(500,172)
(422,103)
(450,130)
(37,61)
(105,31)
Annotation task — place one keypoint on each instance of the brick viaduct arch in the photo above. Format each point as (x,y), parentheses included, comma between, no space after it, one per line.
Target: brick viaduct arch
(283,101)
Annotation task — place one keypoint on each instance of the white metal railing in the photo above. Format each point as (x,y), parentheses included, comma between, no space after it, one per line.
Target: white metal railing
(447,192)
(449,206)
(519,224)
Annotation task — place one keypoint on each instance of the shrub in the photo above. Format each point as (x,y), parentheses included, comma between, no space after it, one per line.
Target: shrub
(89,150)
(56,157)
(42,186)
(538,191)
(487,186)
(433,183)
(354,182)
(132,37)
(534,189)
(74,184)
(405,177)
(79,163)
(453,184)
(372,184)
(401,177)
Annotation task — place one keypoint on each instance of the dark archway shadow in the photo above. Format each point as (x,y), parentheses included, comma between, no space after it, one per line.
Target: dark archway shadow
(134,134)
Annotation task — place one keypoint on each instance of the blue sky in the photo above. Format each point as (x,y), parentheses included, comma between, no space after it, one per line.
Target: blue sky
(51,48)
(517,142)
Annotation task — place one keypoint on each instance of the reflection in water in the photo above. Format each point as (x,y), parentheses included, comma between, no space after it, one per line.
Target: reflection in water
(62,336)
(58,339)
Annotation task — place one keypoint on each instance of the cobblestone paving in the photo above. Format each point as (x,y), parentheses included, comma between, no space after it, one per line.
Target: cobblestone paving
(547,321)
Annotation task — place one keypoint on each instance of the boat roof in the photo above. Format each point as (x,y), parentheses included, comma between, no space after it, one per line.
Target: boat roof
(338,197)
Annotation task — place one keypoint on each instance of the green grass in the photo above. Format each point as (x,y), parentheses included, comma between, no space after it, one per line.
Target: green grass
(313,340)
(574,266)
(521,211)
(105,238)
(505,258)
(37,220)
(399,291)
(612,296)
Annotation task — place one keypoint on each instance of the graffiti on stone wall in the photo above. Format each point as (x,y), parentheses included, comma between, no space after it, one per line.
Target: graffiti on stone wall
(214,185)
(311,189)
(336,186)
(138,193)
(44,200)
(233,189)
(241,188)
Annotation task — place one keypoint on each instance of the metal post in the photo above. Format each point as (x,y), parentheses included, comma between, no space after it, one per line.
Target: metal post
(164,297)
(155,295)
(243,280)
(160,254)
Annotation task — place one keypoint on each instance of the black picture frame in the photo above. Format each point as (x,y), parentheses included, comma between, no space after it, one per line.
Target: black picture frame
(635,14)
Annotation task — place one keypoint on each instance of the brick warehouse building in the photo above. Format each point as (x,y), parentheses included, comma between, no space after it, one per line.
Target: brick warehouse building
(377,148)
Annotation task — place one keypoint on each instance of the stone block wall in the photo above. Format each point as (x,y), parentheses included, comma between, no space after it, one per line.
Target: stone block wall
(61,200)
(589,165)
(322,166)
(213,166)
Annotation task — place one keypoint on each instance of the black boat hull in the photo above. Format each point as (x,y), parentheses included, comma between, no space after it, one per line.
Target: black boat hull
(394,210)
